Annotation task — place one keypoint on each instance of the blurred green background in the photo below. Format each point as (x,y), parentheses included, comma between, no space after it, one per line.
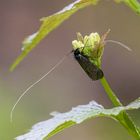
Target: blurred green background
(68,85)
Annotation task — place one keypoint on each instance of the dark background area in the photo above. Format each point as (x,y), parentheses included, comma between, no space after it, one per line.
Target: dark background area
(68,85)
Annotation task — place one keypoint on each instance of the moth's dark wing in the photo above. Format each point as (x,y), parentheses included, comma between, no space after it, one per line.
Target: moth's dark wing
(92,70)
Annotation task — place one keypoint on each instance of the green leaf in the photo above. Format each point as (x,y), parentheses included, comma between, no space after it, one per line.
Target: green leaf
(133,4)
(77,115)
(49,24)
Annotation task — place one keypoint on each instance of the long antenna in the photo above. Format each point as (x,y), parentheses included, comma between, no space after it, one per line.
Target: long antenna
(32,85)
(119,43)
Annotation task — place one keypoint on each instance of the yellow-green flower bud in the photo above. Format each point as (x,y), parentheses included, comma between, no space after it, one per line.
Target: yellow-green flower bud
(91,46)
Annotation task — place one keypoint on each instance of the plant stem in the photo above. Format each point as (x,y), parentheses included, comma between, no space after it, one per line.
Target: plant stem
(110,93)
(123,117)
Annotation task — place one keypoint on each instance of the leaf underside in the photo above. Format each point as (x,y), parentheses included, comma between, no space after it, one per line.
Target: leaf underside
(77,115)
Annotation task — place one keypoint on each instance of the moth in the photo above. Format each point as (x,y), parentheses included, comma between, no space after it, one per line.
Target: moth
(91,69)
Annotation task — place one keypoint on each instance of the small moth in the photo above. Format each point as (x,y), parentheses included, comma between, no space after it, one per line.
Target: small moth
(91,69)
(88,51)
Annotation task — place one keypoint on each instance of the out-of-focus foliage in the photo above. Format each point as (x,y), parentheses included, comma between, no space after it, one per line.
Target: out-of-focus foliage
(9,130)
